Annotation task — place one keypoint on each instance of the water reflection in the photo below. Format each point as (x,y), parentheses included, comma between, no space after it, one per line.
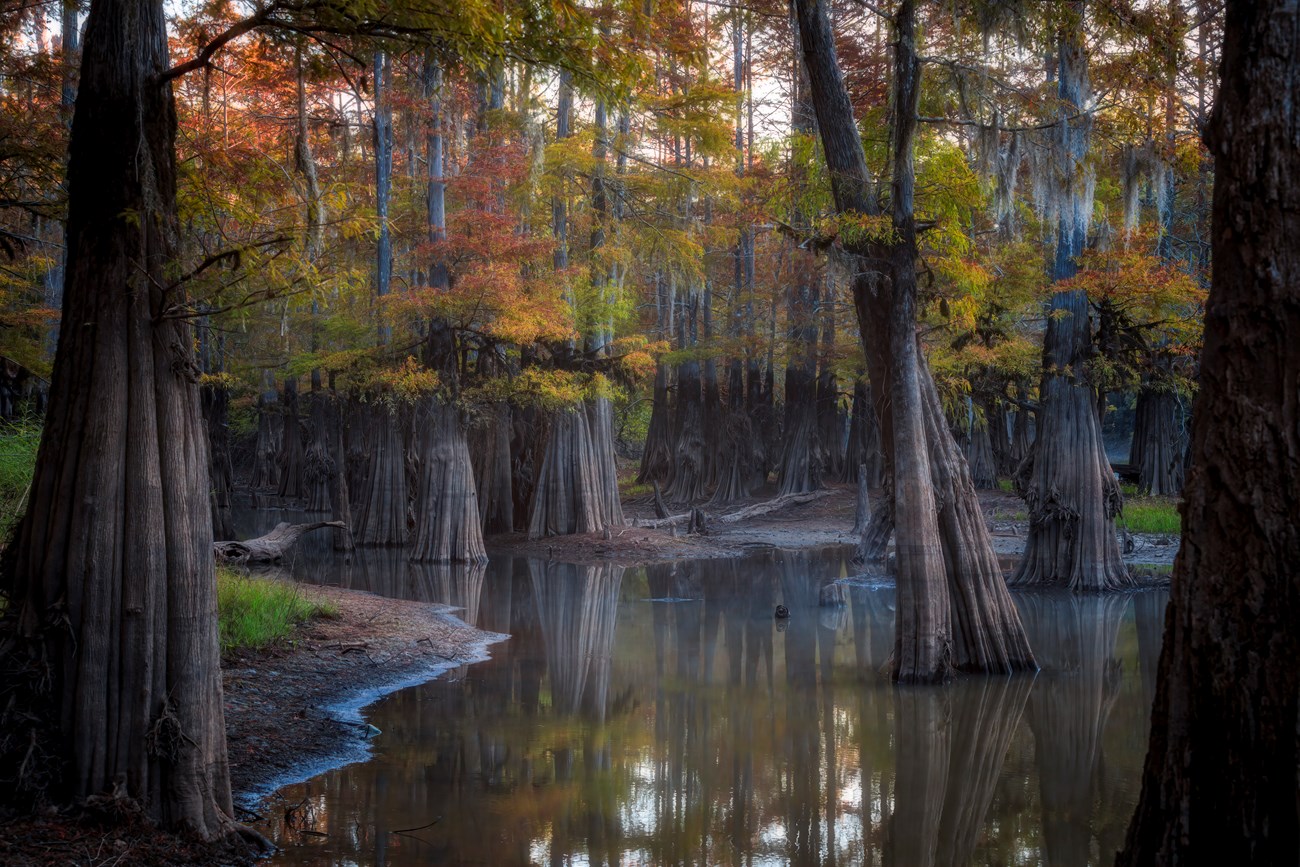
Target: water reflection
(611,729)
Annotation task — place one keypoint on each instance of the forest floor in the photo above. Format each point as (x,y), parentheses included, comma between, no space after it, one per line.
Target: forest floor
(825,520)
(292,711)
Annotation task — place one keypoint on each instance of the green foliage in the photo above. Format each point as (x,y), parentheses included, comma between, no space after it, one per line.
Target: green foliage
(1151,515)
(254,613)
(18,445)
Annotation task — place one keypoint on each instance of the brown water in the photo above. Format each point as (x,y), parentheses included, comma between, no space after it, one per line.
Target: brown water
(612,729)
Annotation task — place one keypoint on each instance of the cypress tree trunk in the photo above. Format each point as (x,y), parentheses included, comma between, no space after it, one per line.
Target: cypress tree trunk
(215,400)
(382,518)
(1157,446)
(318,466)
(340,501)
(689,483)
(864,450)
(1221,772)
(989,635)
(1072,494)
(266,469)
(567,497)
(829,419)
(447,515)
(800,468)
(979,456)
(111,625)
(290,458)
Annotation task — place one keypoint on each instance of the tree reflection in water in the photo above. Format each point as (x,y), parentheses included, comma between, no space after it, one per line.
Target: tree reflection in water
(696,730)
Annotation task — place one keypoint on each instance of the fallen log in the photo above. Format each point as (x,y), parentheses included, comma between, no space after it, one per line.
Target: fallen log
(757,509)
(272,547)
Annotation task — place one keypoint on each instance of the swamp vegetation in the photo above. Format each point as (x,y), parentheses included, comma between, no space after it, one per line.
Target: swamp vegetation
(434,274)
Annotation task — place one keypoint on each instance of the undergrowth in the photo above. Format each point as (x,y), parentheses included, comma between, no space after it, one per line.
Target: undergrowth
(1151,515)
(255,613)
(18,444)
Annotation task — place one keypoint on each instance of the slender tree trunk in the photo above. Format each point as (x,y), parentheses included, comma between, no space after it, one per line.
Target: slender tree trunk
(112,617)
(1221,773)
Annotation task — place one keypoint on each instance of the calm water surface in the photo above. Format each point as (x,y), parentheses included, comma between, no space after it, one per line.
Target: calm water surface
(659,715)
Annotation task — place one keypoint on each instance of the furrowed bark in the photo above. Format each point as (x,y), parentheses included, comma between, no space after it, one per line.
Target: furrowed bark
(1223,764)
(111,627)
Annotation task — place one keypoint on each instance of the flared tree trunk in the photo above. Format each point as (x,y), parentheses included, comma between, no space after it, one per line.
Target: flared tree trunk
(340,499)
(979,456)
(266,469)
(567,497)
(800,469)
(689,483)
(446,507)
(490,452)
(290,458)
(382,516)
(1223,766)
(112,616)
(657,455)
(1072,495)
(318,465)
(829,419)
(735,466)
(1158,448)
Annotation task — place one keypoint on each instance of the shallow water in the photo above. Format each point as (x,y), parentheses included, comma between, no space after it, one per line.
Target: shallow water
(696,729)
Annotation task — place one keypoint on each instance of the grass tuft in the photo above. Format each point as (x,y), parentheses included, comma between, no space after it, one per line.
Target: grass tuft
(1151,515)
(255,613)
(18,444)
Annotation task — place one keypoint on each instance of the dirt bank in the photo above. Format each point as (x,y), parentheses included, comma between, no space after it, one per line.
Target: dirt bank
(293,712)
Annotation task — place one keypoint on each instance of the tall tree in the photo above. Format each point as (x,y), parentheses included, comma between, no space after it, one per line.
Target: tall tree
(1222,770)
(1073,496)
(112,622)
(987,634)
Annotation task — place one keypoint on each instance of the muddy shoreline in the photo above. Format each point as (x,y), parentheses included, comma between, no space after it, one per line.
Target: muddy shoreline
(294,712)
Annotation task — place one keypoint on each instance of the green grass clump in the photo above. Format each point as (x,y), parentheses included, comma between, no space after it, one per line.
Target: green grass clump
(18,444)
(1151,515)
(255,613)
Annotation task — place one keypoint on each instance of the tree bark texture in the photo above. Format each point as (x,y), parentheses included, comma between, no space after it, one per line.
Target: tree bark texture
(447,524)
(318,465)
(271,547)
(1222,769)
(1073,496)
(383,506)
(1158,447)
(112,591)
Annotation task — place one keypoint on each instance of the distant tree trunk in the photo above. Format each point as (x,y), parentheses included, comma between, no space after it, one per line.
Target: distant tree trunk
(995,413)
(689,483)
(979,456)
(290,458)
(215,401)
(318,465)
(863,451)
(1158,448)
(800,469)
(383,133)
(111,625)
(1220,780)
(829,419)
(340,502)
(266,468)
(1072,495)
(382,519)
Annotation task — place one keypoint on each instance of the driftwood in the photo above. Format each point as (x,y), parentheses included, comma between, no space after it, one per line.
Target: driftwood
(763,508)
(271,547)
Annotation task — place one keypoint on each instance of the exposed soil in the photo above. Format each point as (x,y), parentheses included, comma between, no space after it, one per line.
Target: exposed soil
(824,521)
(292,712)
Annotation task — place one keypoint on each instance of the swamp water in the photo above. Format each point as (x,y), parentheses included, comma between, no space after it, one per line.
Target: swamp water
(660,715)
